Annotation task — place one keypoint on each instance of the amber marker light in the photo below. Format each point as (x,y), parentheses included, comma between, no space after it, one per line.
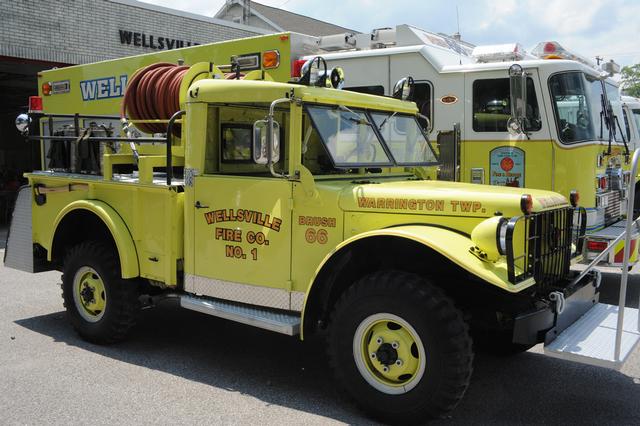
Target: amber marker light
(46,89)
(574,198)
(526,203)
(270,59)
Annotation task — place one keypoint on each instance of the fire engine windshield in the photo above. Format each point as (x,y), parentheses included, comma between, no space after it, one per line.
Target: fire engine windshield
(357,138)
(636,117)
(578,107)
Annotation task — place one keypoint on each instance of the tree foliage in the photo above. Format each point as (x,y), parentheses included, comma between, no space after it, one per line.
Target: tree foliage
(631,80)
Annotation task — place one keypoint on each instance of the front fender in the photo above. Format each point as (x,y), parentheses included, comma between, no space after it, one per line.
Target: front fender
(449,244)
(118,229)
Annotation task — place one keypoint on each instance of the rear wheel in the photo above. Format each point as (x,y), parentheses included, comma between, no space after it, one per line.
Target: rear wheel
(100,305)
(400,348)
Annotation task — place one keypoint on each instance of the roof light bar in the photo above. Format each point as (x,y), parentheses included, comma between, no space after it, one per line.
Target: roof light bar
(553,50)
(499,52)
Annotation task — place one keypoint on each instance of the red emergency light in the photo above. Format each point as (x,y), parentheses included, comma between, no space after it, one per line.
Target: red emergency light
(296,67)
(35,104)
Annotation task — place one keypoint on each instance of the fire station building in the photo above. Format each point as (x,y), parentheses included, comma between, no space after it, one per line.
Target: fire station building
(39,35)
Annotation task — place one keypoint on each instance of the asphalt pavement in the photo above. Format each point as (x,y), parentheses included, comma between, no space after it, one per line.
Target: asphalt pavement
(182,367)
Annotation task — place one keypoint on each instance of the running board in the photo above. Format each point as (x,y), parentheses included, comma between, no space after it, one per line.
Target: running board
(266,318)
(592,338)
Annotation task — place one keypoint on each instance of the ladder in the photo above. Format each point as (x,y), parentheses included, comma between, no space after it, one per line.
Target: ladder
(605,335)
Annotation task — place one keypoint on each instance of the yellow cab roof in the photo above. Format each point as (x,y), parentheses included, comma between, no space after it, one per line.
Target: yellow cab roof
(259,91)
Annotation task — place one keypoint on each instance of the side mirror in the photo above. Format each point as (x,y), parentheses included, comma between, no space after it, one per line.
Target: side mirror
(403,89)
(22,123)
(261,142)
(518,100)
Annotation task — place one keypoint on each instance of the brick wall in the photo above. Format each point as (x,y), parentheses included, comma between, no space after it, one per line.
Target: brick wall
(81,31)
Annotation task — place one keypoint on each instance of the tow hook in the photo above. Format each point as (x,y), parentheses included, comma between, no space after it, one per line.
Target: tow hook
(558,298)
(597,277)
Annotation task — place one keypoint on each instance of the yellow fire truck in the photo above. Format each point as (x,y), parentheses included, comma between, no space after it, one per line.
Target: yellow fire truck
(551,119)
(295,207)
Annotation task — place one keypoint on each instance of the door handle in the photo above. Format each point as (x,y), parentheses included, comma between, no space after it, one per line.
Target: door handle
(200,206)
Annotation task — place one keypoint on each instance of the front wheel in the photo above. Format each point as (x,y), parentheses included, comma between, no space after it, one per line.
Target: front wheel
(100,305)
(400,348)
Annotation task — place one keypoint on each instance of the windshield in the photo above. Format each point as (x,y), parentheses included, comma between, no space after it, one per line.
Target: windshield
(574,106)
(578,107)
(351,137)
(636,117)
(404,138)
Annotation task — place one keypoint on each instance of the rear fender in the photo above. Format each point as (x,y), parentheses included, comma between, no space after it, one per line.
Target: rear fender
(119,232)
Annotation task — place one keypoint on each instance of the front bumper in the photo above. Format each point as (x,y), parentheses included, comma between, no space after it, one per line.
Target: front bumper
(545,324)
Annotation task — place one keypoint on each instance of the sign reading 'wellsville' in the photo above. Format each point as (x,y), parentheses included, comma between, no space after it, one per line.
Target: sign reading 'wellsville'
(151,41)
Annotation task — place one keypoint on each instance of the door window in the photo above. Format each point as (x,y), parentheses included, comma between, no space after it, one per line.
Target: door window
(491,109)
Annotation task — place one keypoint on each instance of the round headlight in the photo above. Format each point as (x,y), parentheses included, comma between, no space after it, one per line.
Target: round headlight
(501,236)
(487,236)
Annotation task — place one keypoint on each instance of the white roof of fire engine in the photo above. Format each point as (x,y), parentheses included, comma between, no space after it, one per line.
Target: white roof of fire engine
(447,55)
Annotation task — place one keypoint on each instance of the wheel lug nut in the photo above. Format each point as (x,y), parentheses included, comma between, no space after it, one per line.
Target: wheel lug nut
(379,340)
(385,369)
(373,355)
(399,362)
(395,345)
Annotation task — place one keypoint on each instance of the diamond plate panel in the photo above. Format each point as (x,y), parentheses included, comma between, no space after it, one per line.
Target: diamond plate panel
(19,248)
(243,293)
(297,300)
(265,318)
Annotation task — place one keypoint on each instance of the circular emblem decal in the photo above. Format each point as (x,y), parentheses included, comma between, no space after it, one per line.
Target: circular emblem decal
(506,164)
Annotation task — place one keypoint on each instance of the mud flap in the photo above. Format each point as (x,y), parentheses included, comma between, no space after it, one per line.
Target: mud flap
(19,247)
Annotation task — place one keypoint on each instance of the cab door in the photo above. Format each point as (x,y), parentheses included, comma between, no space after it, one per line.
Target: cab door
(490,155)
(242,241)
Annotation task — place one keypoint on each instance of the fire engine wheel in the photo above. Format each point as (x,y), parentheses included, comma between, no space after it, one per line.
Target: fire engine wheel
(399,347)
(100,305)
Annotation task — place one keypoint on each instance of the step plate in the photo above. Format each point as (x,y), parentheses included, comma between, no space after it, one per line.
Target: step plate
(269,319)
(591,339)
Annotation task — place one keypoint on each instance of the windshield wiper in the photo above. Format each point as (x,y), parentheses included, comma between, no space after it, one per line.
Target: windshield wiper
(386,119)
(358,120)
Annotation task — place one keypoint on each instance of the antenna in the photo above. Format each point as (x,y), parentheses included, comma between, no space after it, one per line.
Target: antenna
(457,35)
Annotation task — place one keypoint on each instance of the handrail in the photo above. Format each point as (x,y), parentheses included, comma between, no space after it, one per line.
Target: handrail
(627,249)
(630,222)
(169,167)
(270,137)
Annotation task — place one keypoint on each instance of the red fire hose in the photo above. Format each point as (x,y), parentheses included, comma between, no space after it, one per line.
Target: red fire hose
(153,94)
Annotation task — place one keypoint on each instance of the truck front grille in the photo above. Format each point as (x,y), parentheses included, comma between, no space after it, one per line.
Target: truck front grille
(540,245)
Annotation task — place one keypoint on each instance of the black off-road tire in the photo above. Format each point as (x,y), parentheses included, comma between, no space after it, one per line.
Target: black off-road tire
(121,296)
(440,327)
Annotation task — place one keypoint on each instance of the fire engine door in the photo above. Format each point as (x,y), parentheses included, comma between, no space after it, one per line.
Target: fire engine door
(242,228)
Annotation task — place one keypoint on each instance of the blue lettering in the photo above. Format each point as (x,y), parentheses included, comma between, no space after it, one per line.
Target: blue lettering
(113,89)
(103,88)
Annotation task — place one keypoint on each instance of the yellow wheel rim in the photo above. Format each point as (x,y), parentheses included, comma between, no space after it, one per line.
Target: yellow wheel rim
(389,353)
(89,294)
